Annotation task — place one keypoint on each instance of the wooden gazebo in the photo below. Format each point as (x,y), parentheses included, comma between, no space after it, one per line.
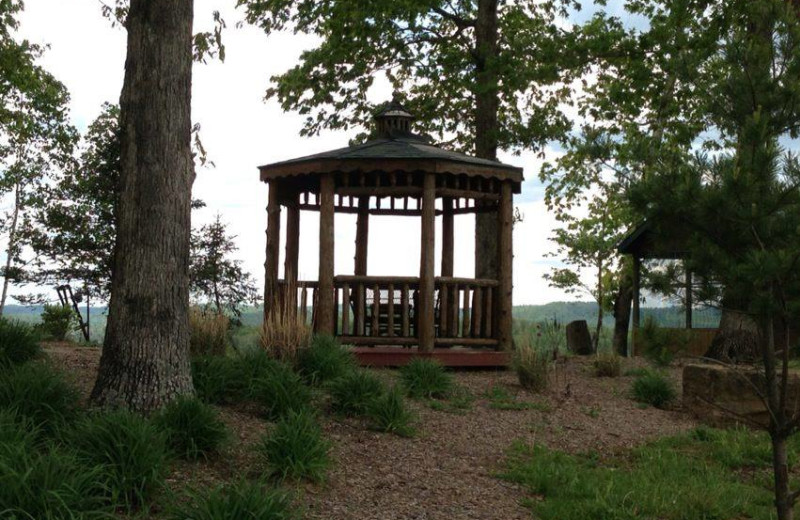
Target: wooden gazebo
(395,173)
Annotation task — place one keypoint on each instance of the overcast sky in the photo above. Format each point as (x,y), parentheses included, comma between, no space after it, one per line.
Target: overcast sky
(241,131)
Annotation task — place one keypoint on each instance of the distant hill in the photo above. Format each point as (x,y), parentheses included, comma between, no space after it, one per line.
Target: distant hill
(564,312)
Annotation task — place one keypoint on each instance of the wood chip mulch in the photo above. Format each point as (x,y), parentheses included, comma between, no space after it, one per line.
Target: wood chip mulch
(447,471)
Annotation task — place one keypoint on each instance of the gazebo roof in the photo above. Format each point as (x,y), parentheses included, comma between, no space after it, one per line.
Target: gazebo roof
(394,149)
(644,241)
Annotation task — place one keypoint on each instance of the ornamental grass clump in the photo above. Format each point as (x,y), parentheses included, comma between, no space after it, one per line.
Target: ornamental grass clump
(423,378)
(131,451)
(532,366)
(278,391)
(353,393)
(388,413)
(653,388)
(19,343)
(241,500)
(607,364)
(324,360)
(39,392)
(295,449)
(208,333)
(284,332)
(193,429)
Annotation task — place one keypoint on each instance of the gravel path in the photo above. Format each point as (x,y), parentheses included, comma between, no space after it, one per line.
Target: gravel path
(446,471)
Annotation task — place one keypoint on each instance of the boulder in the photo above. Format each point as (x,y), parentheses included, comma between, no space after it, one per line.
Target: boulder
(579,341)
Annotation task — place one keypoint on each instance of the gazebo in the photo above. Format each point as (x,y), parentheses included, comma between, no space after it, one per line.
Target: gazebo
(395,173)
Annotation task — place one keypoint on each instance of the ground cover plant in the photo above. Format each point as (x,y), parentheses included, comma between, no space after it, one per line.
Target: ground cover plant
(324,360)
(19,342)
(423,378)
(388,413)
(240,500)
(352,393)
(295,449)
(607,364)
(653,388)
(704,474)
(278,391)
(193,429)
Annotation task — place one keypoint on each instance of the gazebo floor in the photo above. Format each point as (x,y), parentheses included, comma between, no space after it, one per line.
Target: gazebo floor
(387,356)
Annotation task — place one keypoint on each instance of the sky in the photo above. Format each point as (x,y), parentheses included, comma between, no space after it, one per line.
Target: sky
(240,131)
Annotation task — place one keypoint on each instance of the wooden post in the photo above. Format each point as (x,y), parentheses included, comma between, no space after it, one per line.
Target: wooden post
(637,321)
(427,327)
(291,262)
(688,295)
(505,253)
(324,315)
(362,237)
(447,236)
(273,247)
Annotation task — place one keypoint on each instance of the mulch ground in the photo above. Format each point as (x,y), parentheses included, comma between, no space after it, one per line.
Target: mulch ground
(447,471)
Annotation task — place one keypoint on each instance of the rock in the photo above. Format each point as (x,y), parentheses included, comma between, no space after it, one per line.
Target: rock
(724,396)
(579,341)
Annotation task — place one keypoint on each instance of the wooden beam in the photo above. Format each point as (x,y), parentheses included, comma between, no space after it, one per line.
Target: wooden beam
(505,216)
(324,316)
(273,246)
(427,328)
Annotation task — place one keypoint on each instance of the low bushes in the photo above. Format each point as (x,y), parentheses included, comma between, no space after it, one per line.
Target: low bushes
(19,343)
(193,429)
(38,392)
(131,451)
(239,501)
(324,360)
(388,413)
(352,393)
(57,321)
(279,391)
(423,378)
(653,388)
(295,449)
(208,333)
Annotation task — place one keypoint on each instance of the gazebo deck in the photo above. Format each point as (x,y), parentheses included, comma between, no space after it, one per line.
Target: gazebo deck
(386,356)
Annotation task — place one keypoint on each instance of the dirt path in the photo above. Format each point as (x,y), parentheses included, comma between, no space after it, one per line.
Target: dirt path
(446,471)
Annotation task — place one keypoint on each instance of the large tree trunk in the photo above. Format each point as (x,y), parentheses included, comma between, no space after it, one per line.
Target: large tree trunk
(486,107)
(145,361)
(622,315)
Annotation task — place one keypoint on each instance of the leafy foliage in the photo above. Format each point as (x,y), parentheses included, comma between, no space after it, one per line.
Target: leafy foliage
(131,451)
(19,343)
(660,346)
(57,321)
(295,449)
(324,360)
(241,500)
(653,388)
(425,378)
(193,429)
(353,393)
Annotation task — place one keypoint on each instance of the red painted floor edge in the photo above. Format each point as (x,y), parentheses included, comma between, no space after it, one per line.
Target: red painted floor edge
(450,357)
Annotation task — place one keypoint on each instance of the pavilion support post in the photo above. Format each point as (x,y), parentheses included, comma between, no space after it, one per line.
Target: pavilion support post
(427,330)
(637,317)
(273,247)
(292,256)
(324,322)
(505,217)
(447,236)
(688,295)
(360,268)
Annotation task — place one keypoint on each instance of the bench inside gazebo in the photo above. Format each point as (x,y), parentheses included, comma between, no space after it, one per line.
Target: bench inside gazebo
(390,319)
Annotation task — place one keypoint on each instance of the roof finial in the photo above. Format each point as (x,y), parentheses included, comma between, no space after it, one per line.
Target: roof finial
(392,119)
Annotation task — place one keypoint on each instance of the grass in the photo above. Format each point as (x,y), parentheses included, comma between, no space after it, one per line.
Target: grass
(295,449)
(19,343)
(459,401)
(501,399)
(240,500)
(653,388)
(695,476)
(192,428)
(324,360)
(423,378)
(208,332)
(280,391)
(284,333)
(607,364)
(532,365)
(352,393)
(388,413)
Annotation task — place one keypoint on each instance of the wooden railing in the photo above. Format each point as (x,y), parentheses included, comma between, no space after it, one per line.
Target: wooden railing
(382,310)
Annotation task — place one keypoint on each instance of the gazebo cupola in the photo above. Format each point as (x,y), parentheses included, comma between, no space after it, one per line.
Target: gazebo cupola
(397,173)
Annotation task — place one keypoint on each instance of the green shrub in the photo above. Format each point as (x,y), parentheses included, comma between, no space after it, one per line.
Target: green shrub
(216,379)
(388,413)
(660,346)
(239,501)
(57,321)
(279,391)
(193,429)
(653,388)
(295,449)
(532,366)
(208,333)
(607,364)
(324,360)
(19,343)
(40,393)
(425,378)
(48,485)
(131,451)
(352,393)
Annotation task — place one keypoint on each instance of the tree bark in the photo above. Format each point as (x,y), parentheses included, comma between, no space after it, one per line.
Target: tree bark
(145,360)
(622,315)
(486,126)
(599,326)
(12,244)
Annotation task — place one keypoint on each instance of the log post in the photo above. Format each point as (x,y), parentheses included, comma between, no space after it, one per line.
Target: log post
(505,255)
(426,332)
(637,319)
(360,267)
(291,262)
(324,316)
(448,241)
(688,296)
(273,247)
